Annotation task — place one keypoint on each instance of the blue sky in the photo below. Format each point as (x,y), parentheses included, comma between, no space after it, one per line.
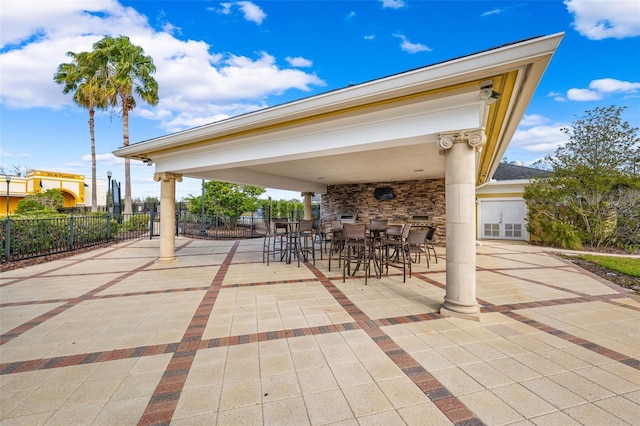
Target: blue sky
(220,59)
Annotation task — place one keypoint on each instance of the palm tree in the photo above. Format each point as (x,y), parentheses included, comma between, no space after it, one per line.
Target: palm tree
(130,72)
(84,77)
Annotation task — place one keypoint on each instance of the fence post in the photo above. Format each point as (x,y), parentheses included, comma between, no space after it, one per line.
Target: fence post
(71,231)
(152,219)
(177,224)
(108,227)
(7,241)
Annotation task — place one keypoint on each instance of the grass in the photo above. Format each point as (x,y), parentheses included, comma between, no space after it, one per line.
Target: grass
(623,265)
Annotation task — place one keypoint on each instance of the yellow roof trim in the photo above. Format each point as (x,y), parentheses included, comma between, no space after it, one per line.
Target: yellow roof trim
(504,84)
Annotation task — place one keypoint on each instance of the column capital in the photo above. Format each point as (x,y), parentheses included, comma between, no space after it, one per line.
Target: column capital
(167,176)
(476,138)
(310,194)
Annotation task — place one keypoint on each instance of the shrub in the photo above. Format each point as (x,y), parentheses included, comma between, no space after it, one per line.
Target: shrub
(137,222)
(50,200)
(564,235)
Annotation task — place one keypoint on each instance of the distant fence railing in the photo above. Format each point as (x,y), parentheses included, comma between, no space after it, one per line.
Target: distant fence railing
(219,228)
(26,238)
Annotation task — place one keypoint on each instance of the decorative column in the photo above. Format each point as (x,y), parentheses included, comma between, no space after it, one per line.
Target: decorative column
(459,149)
(167,214)
(307,205)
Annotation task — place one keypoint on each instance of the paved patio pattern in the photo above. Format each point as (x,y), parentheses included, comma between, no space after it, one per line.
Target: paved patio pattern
(113,337)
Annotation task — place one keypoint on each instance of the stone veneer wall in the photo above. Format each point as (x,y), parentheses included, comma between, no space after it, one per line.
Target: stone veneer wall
(414,197)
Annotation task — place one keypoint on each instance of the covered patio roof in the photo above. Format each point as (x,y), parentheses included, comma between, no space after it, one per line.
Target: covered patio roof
(382,130)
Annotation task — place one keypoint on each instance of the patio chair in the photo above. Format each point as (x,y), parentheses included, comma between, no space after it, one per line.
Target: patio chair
(382,222)
(396,251)
(357,250)
(322,232)
(431,233)
(393,231)
(274,240)
(417,241)
(337,242)
(303,241)
(280,235)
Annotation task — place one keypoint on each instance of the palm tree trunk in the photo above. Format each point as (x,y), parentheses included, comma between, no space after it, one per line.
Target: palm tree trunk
(127,162)
(94,195)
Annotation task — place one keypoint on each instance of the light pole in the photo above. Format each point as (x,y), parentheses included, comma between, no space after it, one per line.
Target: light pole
(8,178)
(108,188)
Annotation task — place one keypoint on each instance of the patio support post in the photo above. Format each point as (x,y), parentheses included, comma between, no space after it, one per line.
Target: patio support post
(167,214)
(307,205)
(460,150)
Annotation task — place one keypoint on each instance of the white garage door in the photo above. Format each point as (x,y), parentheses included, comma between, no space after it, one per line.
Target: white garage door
(502,220)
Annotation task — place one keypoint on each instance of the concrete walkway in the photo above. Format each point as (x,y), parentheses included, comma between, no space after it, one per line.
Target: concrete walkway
(111,337)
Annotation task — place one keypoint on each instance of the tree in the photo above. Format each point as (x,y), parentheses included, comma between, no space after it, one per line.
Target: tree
(49,201)
(130,73)
(282,209)
(85,77)
(17,170)
(600,144)
(226,200)
(594,192)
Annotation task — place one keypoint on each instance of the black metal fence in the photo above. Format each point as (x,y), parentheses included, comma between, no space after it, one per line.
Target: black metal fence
(25,238)
(250,225)
(219,228)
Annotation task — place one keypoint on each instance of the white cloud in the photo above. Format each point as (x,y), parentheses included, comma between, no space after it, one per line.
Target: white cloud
(299,62)
(583,95)
(538,138)
(226,8)
(196,85)
(107,158)
(610,85)
(492,12)
(252,12)
(351,15)
(598,89)
(392,4)
(598,20)
(5,154)
(369,37)
(533,120)
(410,47)
(171,29)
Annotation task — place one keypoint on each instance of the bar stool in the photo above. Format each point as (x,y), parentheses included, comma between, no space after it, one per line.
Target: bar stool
(337,241)
(304,241)
(280,235)
(400,257)
(357,250)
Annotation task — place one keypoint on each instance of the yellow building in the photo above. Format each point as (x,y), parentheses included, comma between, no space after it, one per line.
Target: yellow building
(75,189)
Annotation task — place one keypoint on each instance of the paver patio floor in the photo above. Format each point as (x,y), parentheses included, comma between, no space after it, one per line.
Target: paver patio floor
(112,337)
